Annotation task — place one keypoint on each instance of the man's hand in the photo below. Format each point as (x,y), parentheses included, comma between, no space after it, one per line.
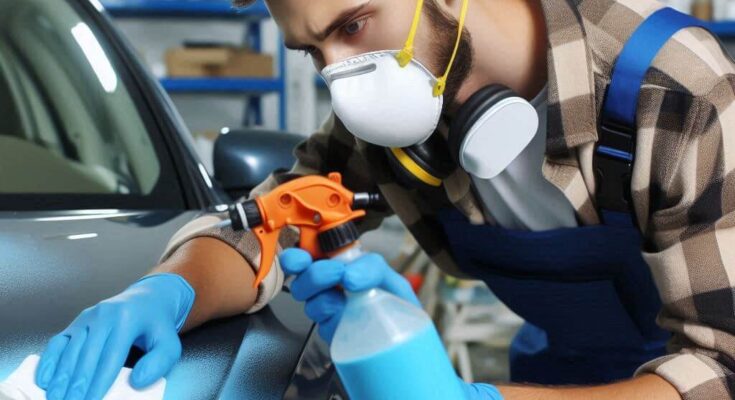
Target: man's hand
(83,361)
(644,387)
(481,391)
(316,283)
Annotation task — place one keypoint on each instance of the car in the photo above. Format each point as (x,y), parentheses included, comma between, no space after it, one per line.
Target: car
(97,172)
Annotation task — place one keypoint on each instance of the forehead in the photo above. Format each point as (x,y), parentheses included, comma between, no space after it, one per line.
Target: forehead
(302,20)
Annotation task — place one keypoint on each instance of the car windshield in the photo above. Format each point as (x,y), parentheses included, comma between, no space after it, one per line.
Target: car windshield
(71,128)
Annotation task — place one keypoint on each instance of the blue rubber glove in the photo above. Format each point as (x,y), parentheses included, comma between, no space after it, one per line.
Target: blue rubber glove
(481,391)
(316,284)
(84,360)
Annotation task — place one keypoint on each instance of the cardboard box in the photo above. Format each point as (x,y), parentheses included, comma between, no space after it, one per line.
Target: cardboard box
(226,62)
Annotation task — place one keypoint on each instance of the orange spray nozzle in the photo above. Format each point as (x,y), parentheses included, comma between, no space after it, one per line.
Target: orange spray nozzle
(314,204)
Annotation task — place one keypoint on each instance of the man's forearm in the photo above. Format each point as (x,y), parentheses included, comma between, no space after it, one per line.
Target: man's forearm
(220,276)
(645,387)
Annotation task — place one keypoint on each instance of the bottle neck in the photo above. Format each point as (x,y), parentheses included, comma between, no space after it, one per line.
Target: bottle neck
(365,294)
(350,254)
(347,256)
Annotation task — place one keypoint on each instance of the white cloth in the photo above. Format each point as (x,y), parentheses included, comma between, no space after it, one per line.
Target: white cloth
(21,385)
(520,197)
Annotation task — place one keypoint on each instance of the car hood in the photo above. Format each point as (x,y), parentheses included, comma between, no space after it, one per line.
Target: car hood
(54,265)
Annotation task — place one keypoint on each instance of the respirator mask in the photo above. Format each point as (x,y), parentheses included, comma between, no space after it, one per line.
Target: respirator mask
(390,99)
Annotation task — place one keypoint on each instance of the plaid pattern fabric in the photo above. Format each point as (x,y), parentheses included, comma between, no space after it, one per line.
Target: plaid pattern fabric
(683,183)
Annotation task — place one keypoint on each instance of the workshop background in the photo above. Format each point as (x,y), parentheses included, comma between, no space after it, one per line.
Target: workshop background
(227,68)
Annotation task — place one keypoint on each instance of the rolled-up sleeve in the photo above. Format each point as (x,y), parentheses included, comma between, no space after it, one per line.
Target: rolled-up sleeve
(688,212)
(330,149)
(245,243)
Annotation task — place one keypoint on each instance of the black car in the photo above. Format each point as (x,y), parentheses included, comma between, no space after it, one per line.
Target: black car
(96,174)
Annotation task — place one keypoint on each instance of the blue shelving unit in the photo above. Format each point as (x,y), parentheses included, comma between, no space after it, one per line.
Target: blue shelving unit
(319,82)
(221,85)
(253,15)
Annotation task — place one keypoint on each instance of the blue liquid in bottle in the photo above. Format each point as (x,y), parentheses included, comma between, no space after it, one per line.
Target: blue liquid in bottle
(386,348)
(393,373)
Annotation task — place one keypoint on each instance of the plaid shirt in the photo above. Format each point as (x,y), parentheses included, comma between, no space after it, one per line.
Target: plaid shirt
(683,183)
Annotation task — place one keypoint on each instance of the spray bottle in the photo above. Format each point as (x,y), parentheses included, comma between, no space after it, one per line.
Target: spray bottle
(384,347)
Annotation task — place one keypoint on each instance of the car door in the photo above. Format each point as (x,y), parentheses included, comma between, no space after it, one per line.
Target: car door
(94,179)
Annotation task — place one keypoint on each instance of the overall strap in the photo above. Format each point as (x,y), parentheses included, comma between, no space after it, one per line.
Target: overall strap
(615,151)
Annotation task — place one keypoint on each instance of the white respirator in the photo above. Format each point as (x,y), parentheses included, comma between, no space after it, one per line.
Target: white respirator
(389,99)
(383,103)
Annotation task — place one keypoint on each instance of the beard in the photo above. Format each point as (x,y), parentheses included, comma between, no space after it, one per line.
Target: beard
(444,34)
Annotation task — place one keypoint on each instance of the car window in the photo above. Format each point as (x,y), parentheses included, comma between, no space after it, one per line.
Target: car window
(69,124)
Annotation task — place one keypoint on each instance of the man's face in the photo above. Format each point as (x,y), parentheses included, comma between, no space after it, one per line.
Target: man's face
(333,30)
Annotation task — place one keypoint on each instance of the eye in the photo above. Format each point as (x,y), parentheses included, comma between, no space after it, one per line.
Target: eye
(354,27)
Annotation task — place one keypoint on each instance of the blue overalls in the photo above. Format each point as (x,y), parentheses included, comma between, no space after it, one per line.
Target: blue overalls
(586,294)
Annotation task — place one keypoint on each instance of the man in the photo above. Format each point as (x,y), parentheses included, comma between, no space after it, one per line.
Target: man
(532,230)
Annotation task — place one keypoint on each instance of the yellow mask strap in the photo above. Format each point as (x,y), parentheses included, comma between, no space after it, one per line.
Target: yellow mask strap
(441,84)
(406,55)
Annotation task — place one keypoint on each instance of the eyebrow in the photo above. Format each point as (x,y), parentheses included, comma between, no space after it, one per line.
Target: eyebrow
(344,17)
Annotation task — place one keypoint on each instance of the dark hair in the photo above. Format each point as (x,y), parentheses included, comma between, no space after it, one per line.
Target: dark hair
(445,30)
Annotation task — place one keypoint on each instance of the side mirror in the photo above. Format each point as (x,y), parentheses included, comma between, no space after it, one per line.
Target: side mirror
(243,158)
